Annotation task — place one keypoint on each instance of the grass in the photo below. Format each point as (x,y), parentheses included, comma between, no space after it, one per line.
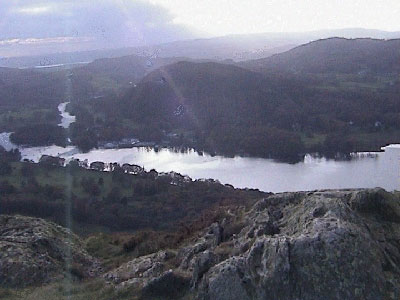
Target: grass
(23,116)
(349,82)
(61,177)
(313,140)
(96,289)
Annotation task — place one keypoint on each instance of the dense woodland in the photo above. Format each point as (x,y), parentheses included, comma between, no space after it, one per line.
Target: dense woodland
(230,110)
(332,96)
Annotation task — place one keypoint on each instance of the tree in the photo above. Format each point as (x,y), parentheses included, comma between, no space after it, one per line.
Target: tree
(27,169)
(114,195)
(5,168)
(90,186)
(6,188)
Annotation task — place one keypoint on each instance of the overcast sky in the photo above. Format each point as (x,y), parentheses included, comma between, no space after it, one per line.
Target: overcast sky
(114,23)
(221,17)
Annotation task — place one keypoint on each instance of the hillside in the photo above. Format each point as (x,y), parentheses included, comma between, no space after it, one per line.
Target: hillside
(110,201)
(219,107)
(335,55)
(29,97)
(241,47)
(107,75)
(238,47)
(230,110)
(332,244)
(29,88)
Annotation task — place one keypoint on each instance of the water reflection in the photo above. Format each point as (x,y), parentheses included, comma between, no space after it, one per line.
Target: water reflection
(366,170)
(381,169)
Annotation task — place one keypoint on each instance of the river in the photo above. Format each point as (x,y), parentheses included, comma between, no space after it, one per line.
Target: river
(66,118)
(364,171)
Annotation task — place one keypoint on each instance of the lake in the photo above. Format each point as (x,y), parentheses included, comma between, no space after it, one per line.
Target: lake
(382,169)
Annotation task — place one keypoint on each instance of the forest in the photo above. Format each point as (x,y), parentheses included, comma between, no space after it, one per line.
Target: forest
(290,104)
(229,110)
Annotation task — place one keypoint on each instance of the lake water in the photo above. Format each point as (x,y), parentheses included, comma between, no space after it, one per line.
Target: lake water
(264,174)
(382,170)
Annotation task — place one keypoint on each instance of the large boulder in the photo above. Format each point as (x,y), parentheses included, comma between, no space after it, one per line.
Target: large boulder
(34,252)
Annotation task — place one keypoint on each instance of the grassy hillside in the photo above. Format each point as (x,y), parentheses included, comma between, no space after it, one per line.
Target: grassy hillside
(335,55)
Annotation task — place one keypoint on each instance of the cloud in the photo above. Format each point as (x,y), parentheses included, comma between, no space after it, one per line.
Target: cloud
(34,41)
(36,10)
(220,17)
(106,23)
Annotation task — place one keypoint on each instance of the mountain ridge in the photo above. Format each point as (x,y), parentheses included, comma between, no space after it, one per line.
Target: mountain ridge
(334,55)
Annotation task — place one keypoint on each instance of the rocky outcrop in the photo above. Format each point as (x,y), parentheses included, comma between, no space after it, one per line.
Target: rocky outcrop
(320,245)
(151,274)
(33,252)
(139,271)
(334,244)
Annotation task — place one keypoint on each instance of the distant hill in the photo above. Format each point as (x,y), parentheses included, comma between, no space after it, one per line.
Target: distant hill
(114,74)
(335,55)
(240,47)
(237,47)
(209,91)
(232,47)
(30,88)
(61,58)
(230,110)
(353,33)
(225,108)
(29,98)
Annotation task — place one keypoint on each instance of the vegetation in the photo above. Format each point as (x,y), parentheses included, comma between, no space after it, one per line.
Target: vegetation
(28,106)
(364,57)
(110,201)
(92,290)
(39,135)
(228,110)
(295,103)
(330,96)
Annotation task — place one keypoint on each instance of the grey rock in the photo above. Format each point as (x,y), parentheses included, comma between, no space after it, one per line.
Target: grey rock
(33,252)
(327,245)
(169,285)
(331,244)
(225,281)
(139,271)
(203,262)
(209,241)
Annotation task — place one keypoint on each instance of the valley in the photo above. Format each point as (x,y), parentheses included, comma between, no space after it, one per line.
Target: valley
(210,170)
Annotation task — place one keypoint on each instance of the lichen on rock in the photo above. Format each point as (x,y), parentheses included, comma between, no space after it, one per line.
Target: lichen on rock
(34,252)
